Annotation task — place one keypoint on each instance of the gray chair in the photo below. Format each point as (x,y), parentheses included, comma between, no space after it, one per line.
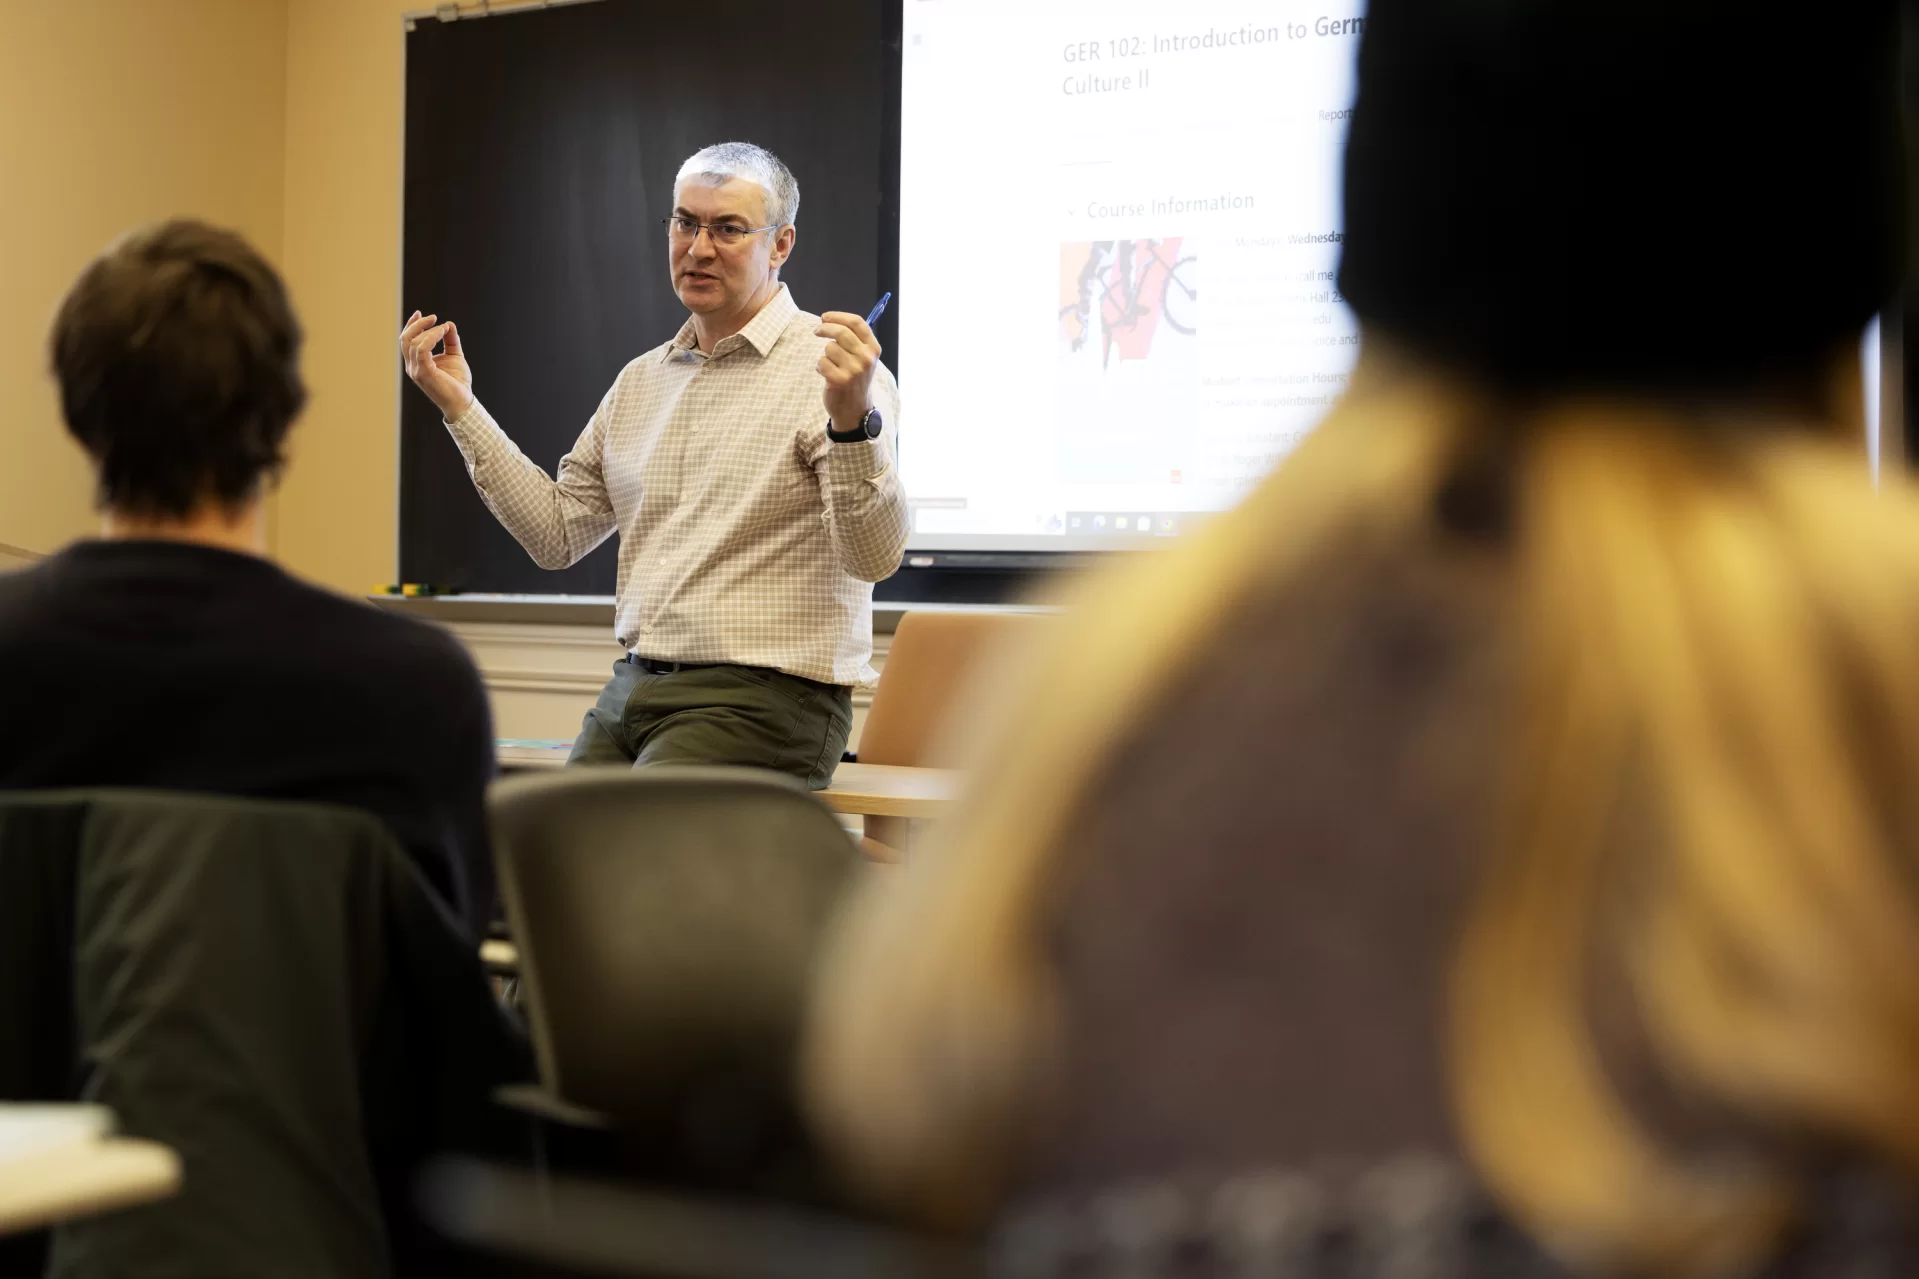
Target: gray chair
(586,1227)
(667,921)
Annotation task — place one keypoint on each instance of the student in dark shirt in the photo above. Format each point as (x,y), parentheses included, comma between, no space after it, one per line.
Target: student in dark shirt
(170,653)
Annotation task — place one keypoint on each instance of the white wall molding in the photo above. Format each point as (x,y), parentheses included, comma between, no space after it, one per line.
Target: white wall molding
(548,634)
(573,686)
(541,677)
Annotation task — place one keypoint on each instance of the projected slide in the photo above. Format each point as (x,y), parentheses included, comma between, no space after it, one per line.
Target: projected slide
(1119,230)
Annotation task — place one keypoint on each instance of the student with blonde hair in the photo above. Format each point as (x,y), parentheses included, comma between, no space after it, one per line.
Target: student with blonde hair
(1492,847)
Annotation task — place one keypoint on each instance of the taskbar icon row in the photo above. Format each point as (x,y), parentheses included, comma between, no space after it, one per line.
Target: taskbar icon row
(1135,522)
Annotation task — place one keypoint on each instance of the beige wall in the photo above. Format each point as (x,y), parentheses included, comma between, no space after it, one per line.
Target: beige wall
(337,514)
(283,118)
(115,113)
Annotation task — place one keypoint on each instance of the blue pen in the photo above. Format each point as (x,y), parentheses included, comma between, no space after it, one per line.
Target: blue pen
(879,309)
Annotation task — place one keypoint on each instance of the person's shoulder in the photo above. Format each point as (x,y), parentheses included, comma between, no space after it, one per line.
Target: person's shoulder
(635,376)
(645,363)
(39,599)
(19,583)
(405,655)
(23,591)
(419,650)
(800,324)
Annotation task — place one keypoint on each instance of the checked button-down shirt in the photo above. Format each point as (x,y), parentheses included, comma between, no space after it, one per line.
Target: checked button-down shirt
(745,534)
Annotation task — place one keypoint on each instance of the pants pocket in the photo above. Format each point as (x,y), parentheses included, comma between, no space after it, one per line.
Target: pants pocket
(839,727)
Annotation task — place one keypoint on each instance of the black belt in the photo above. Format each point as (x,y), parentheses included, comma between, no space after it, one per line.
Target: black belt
(654,667)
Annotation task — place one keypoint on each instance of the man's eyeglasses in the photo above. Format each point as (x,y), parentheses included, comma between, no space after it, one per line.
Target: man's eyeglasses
(725,234)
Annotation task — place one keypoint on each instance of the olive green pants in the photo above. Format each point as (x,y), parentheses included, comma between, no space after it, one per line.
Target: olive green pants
(749,715)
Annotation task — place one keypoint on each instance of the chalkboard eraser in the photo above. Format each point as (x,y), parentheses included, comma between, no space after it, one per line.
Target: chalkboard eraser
(414,589)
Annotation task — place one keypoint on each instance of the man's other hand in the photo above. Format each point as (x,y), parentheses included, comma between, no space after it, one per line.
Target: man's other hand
(446,378)
(847,364)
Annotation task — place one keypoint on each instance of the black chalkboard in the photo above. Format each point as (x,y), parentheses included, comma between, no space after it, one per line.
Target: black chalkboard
(540,154)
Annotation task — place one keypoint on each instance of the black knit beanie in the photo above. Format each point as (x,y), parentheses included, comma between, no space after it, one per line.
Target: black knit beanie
(1624,192)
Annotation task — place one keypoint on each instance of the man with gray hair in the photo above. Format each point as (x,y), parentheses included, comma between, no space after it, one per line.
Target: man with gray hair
(748,466)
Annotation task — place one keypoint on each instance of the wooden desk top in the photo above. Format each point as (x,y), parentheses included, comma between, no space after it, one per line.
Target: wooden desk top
(890,790)
(81,1180)
(872,790)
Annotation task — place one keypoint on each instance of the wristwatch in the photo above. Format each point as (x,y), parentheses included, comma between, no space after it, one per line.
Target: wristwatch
(868,429)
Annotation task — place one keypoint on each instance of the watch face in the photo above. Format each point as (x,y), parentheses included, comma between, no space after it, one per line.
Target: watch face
(872,422)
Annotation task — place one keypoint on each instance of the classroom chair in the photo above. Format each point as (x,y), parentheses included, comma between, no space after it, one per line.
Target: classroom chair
(571,1226)
(932,660)
(667,921)
(269,989)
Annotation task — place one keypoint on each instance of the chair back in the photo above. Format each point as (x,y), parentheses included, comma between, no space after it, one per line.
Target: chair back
(933,659)
(667,921)
(608,1228)
(933,655)
(226,975)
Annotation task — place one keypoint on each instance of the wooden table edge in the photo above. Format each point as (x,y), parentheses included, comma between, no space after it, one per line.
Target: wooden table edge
(84,1180)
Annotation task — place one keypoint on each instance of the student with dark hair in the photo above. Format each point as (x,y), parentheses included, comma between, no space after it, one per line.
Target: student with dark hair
(170,653)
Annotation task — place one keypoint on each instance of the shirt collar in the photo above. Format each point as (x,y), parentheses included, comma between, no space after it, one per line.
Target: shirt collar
(761,333)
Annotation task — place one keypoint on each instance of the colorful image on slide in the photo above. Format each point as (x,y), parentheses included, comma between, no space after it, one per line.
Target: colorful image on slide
(1128,293)
(1126,373)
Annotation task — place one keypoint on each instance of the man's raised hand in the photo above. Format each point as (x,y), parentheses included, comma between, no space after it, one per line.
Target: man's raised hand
(847,364)
(446,378)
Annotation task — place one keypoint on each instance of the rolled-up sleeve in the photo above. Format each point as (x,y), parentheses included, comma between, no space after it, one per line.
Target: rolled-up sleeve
(865,502)
(557,520)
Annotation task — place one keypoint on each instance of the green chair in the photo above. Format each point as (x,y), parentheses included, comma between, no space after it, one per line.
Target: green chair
(268,988)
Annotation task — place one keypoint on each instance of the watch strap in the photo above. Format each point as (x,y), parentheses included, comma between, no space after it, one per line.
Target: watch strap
(855,435)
